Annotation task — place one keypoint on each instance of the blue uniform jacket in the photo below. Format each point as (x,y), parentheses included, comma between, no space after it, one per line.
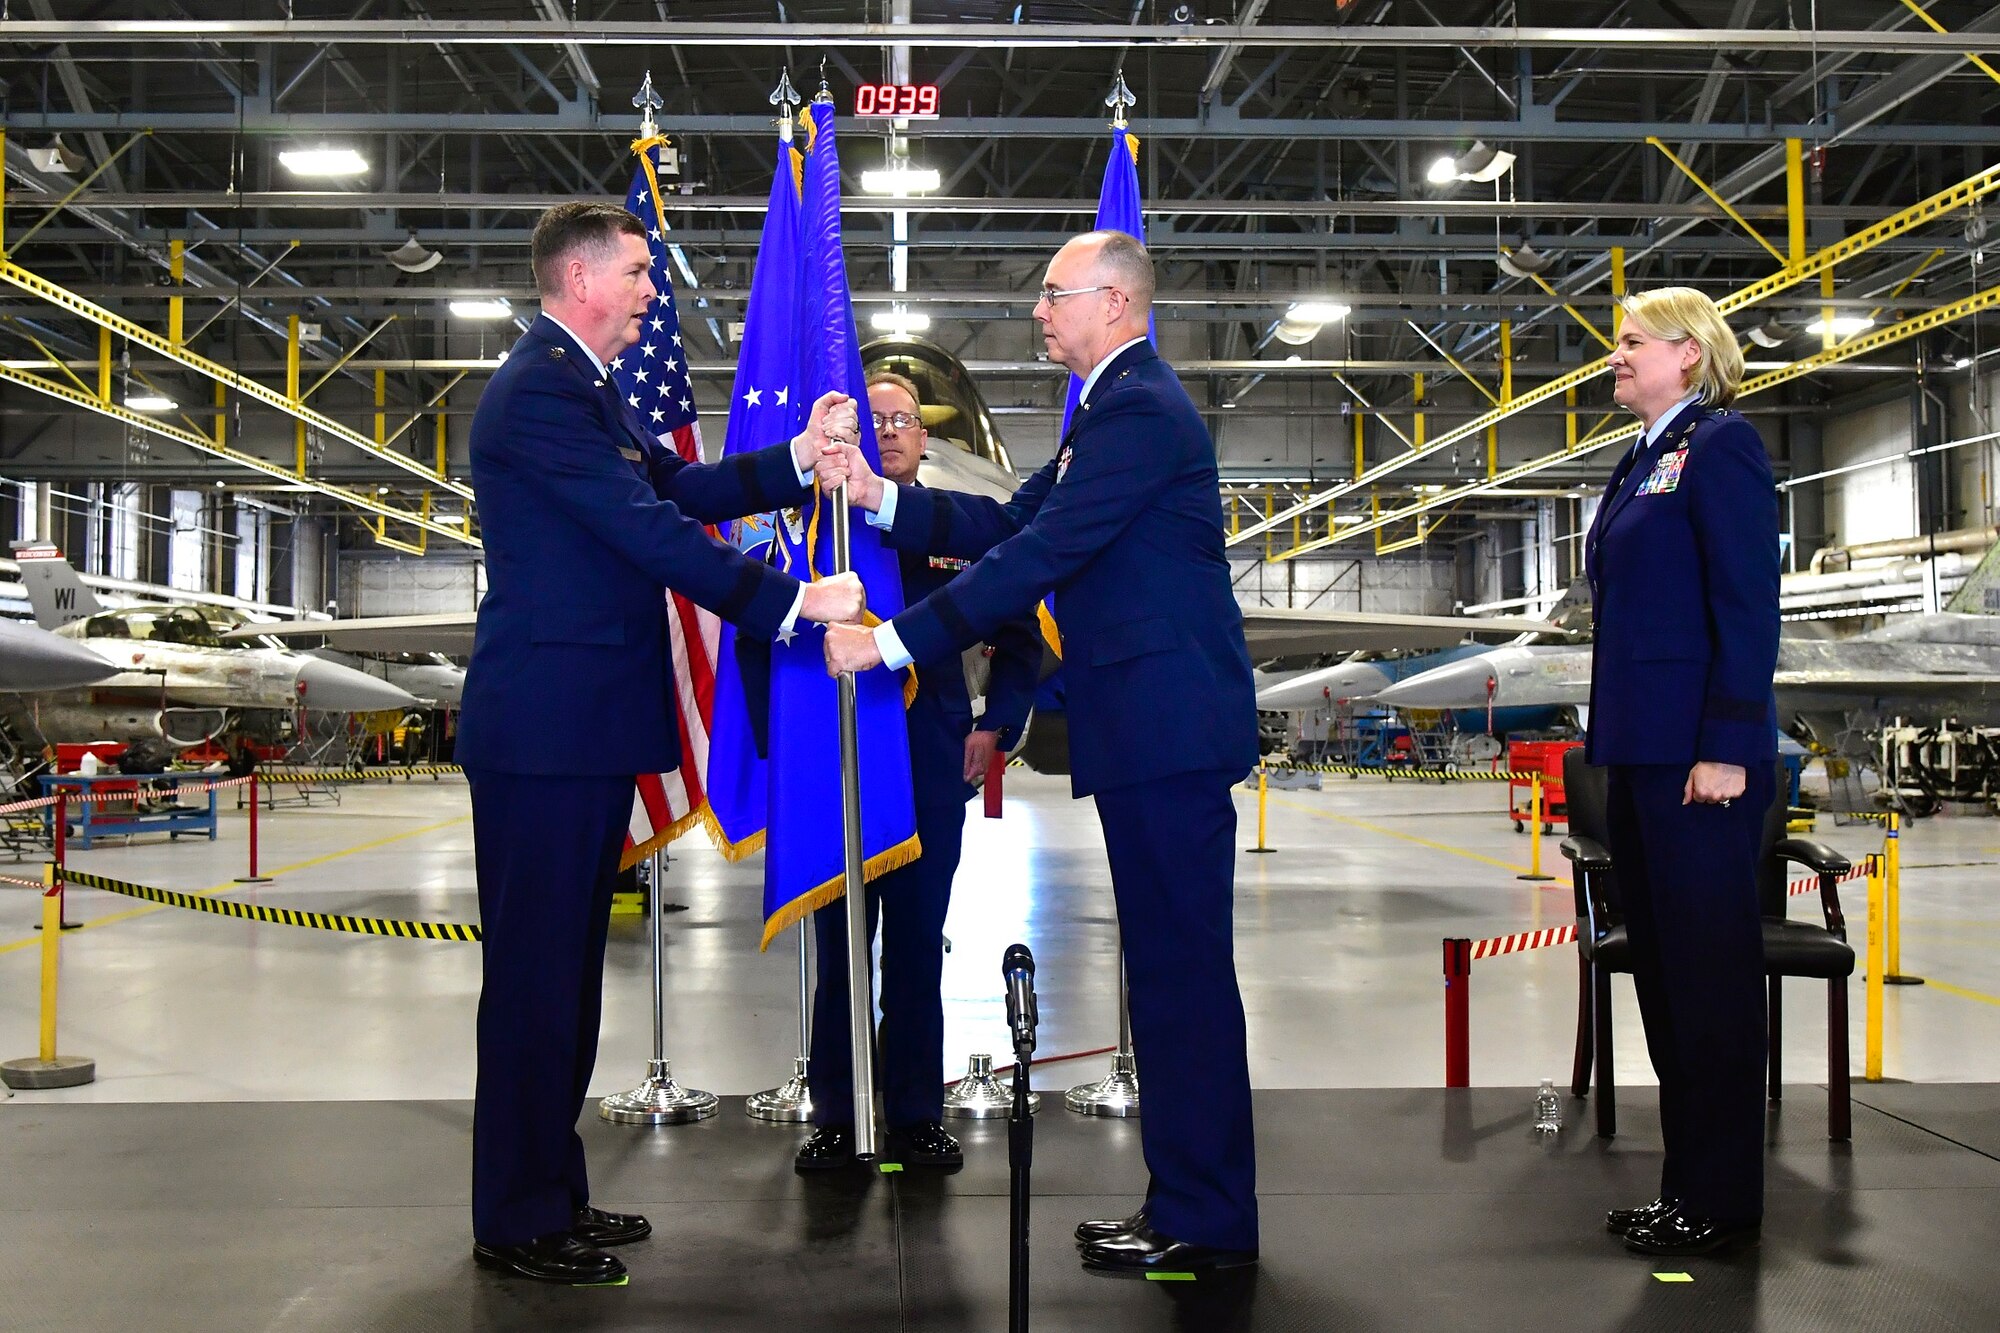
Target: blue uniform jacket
(1125,524)
(940,717)
(1683,565)
(587,520)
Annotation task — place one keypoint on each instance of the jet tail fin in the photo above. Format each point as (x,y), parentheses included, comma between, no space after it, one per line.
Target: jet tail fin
(54,590)
(1979,595)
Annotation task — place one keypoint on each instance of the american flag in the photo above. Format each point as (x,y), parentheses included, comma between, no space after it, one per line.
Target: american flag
(653,376)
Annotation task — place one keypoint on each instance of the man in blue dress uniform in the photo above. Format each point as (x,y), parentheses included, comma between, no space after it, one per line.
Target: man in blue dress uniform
(948,758)
(587,520)
(1125,525)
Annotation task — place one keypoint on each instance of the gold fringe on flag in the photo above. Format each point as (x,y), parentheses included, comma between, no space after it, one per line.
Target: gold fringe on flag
(876,866)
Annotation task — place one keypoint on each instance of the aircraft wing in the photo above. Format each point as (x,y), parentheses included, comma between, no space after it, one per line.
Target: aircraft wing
(1876,681)
(1273,631)
(448,632)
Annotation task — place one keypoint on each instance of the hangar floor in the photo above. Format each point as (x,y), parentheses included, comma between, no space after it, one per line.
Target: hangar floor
(1375,1199)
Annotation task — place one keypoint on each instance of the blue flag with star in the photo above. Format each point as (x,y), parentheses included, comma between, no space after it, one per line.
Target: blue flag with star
(805,858)
(762,408)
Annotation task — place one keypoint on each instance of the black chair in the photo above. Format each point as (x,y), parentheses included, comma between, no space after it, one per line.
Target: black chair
(1791,948)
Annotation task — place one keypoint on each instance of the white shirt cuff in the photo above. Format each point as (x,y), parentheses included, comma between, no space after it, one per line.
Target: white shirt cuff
(804,474)
(890,645)
(884,516)
(792,616)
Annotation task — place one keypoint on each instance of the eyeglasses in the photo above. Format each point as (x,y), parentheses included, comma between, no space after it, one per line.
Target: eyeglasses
(897,421)
(1050,295)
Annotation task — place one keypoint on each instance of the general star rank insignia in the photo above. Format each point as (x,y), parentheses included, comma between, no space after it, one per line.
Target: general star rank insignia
(1063,460)
(1666,474)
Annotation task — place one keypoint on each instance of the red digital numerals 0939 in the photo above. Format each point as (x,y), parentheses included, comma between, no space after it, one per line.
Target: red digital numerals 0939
(913,101)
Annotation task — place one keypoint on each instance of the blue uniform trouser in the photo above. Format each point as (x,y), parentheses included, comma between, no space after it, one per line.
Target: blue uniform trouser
(1686,880)
(910,902)
(547,852)
(1172,844)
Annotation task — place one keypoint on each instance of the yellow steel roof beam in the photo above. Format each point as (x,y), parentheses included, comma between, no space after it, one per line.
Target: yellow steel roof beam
(1896,224)
(202,444)
(1853,347)
(1935,26)
(1717,199)
(65,299)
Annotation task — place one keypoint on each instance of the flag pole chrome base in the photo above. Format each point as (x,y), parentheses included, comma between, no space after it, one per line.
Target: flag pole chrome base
(1116,1094)
(789,1103)
(660,1100)
(981,1096)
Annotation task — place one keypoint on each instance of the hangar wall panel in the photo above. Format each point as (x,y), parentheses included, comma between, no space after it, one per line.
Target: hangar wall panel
(1877,503)
(1412,587)
(391,586)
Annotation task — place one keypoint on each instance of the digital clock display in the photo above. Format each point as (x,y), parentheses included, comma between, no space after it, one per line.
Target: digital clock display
(899,101)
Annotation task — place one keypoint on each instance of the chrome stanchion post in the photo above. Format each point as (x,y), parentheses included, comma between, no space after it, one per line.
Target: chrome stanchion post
(791,1101)
(860,975)
(981,1096)
(1117,1093)
(659,1100)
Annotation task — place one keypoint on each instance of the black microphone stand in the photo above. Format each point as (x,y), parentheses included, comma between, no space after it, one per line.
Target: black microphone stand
(1020,1159)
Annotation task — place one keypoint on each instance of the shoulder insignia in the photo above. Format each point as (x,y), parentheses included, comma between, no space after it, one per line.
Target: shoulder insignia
(631,455)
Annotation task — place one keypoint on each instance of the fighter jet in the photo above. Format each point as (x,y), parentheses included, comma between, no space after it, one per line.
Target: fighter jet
(31,658)
(1362,678)
(429,677)
(175,678)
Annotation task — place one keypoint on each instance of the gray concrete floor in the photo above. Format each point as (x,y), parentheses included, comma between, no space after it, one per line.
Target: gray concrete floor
(1337,944)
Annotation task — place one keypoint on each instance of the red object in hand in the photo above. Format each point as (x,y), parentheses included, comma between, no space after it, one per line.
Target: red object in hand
(994,768)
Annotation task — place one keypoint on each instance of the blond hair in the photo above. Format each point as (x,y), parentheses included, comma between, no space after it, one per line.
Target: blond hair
(907,385)
(1674,314)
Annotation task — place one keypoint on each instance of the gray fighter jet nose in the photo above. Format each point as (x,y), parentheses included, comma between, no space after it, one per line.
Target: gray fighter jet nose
(1453,685)
(1316,689)
(329,687)
(31,658)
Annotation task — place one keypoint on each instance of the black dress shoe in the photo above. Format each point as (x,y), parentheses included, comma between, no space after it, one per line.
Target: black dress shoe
(925,1144)
(1678,1235)
(1144,1250)
(556,1257)
(1104,1228)
(594,1226)
(1622,1221)
(831,1148)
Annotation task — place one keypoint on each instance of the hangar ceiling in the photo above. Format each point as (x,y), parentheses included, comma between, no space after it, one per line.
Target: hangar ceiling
(1287,151)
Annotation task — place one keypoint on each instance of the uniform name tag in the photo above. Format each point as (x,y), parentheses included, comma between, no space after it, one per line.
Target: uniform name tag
(950,562)
(1666,474)
(632,455)
(1063,460)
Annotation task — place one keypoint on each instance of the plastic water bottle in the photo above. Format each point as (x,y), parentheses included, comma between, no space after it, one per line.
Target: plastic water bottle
(1548,1109)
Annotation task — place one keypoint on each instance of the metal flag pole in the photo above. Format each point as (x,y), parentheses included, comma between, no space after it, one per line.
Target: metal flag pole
(860,975)
(791,1101)
(659,1100)
(1117,1093)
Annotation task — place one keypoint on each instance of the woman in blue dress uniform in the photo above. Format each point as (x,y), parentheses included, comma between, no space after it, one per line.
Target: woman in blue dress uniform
(1683,564)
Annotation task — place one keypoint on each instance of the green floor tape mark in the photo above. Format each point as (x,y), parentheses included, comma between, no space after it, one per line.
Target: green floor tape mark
(624,1281)
(1170,1277)
(886,1167)
(1673,1277)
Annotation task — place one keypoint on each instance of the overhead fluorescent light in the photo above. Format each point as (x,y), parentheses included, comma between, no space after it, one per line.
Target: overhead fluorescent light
(412,257)
(1524,261)
(496,307)
(903,180)
(1961,363)
(1318,312)
(1428,488)
(1844,326)
(1771,334)
(455,520)
(902,323)
(323,161)
(150,402)
(1443,171)
(56,159)
(1477,163)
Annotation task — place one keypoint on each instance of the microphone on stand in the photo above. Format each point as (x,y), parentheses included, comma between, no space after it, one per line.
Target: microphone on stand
(1017,968)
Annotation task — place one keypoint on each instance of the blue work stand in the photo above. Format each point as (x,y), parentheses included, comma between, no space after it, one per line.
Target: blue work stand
(91,820)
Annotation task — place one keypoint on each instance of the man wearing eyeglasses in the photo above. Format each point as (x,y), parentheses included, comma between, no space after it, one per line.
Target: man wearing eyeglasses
(949,754)
(1125,525)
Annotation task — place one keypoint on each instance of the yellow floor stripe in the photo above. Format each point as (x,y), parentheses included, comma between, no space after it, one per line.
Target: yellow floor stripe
(1932,983)
(1548,844)
(231,886)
